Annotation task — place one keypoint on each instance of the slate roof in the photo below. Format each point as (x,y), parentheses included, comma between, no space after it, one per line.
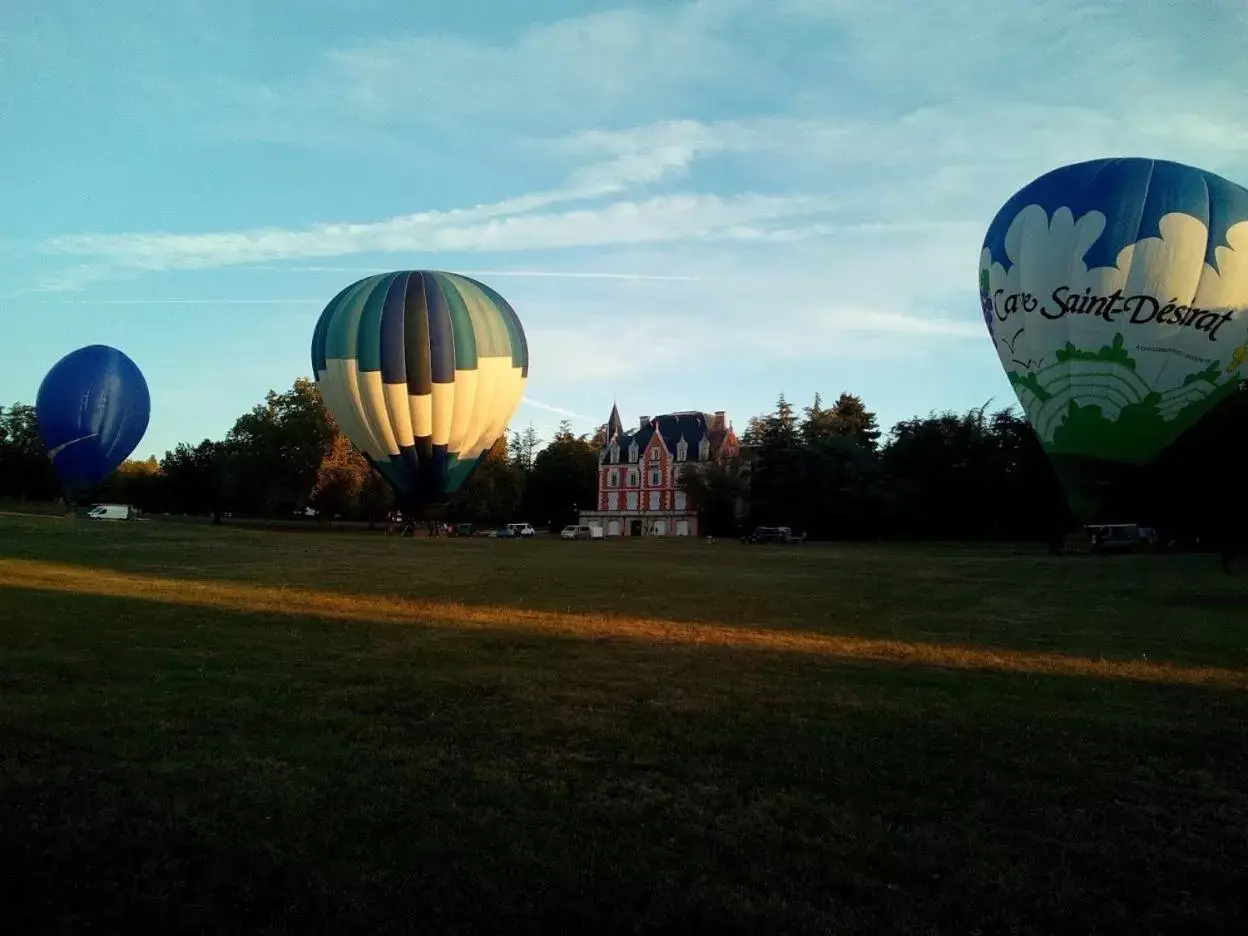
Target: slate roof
(691,426)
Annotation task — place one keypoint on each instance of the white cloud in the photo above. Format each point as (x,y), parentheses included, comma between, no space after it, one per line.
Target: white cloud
(601,63)
(934,164)
(765,187)
(1053,51)
(71,279)
(589,352)
(773,311)
(951,182)
(843,189)
(785,58)
(951,159)
(77,279)
(498,227)
(551,408)
(622,66)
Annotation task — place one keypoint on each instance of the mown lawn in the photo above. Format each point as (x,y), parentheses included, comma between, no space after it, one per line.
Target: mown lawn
(238,731)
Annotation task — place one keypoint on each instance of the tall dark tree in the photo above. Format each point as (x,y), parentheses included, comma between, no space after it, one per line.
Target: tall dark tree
(340,481)
(563,480)
(849,418)
(947,472)
(776,472)
(26,473)
(138,483)
(491,496)
(376,498)
(280,445)
(714,491)
(816,423)
(202,479)
(843,493)
(522,448)
(1026,500)
(752,436)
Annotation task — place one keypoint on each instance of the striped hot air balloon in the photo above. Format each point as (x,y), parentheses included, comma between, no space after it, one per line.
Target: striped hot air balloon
(422,371)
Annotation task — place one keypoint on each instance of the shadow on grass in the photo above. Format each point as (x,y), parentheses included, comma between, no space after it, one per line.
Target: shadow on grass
(209,770)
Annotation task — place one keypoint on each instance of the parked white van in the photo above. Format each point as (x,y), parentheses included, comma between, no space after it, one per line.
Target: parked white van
(111,512)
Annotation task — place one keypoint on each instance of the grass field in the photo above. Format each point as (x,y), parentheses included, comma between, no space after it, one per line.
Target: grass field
(237,731)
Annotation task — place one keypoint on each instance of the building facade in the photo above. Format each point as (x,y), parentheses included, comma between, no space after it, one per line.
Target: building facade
(639,472)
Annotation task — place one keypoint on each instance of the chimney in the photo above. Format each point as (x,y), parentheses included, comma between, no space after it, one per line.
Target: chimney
(720,421)
(645,420)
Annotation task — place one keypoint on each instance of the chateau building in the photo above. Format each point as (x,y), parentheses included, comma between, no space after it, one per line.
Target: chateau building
(638,472)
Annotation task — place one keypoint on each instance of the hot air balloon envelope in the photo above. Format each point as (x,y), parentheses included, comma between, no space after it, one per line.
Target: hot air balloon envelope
(92,409)
(1114,291)
(422,371)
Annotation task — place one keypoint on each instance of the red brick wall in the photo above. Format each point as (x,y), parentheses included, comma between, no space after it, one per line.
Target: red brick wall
(665,463)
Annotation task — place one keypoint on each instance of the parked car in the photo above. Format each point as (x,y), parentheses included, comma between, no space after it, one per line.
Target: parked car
(522,530)
(770,534)
(576,532)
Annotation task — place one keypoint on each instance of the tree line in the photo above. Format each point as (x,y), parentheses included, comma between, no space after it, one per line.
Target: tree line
(828,471)
(831,473)
(286,455)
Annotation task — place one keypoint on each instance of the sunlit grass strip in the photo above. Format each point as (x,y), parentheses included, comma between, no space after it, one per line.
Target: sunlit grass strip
(247,598)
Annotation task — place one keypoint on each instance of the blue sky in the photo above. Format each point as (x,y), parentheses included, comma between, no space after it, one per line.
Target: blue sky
(690,204)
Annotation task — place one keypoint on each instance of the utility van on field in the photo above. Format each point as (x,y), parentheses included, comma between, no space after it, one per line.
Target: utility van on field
(112,512)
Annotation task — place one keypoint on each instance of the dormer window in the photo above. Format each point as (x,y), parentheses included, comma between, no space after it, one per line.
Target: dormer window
(615,453)
(704,449)
(632,452)
(654,454)
(682,450)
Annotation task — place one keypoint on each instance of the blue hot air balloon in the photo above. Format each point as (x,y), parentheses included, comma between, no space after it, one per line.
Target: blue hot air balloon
(92,409)
(422,371)
(1115,292)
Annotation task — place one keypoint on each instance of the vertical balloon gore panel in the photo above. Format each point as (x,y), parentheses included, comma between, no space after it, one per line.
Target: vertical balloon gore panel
(421,370)
(1115,293)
